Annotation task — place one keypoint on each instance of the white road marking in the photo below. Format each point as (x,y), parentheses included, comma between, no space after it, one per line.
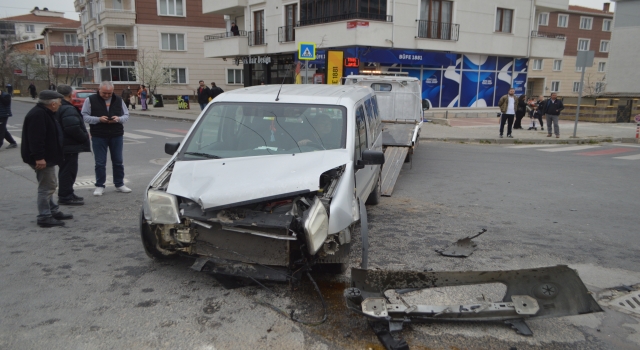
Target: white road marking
(135,136)
(533,146)
(626,145)
(633,157)
(159,133)
(568,149)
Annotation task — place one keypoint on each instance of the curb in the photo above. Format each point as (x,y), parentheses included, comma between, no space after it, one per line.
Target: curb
(533,141)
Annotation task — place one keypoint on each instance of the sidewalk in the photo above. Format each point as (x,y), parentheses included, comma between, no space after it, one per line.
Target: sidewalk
(481,130)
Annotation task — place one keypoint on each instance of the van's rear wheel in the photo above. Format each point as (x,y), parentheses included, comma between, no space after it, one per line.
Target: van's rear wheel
(150,241)
(374,196)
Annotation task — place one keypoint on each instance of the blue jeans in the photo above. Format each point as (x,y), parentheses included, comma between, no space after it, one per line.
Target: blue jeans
(47,184)
(203,105)
(100,147)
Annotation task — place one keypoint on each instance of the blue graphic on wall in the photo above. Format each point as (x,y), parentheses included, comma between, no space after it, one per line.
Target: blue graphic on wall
(450,88)
(351,71)
(321,57)
(504,62)
(469,90)
(503,84)
(431,86)
(520,83)
(480,62)
(521,65)
(486,89)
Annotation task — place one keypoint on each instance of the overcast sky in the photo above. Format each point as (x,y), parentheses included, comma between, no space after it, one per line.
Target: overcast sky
(15,8)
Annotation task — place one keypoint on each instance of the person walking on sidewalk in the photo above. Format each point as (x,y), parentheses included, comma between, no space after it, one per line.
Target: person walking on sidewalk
(42,150)
(203,95)
(5,113)
(521,111)
(32,90)
(106,113)
(126,97)
(507,106)
(75,140)
(142,96)
(540,104)
(552,109)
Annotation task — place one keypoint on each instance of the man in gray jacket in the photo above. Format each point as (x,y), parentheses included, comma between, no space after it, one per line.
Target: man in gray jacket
(552,108)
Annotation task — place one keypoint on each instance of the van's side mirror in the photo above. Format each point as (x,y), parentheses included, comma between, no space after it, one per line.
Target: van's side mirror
(371,157)
(170,148)
(425,104)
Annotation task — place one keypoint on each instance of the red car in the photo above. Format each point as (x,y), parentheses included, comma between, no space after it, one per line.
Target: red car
(78,97)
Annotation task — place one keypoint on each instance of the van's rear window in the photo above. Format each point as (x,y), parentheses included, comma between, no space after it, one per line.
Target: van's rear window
(381,87)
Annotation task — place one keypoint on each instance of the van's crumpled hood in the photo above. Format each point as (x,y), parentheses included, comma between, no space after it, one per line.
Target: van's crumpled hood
(218,182)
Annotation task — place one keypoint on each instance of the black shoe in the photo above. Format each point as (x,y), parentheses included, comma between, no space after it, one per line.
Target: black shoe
(72,201)
(509,136)
(62,216)
(49,222)
(78,197)
(13,145)
(542,129)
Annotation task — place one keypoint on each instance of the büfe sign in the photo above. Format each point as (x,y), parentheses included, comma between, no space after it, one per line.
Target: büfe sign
(334,67)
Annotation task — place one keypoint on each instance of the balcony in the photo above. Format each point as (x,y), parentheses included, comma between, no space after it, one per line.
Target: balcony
(116,17)
(344,33)
(345,17)
(226,44)
(91,58)
(547,45)
(233,8)
(257,37)
(55,47)
(286,34)
(119,53)
(438,30)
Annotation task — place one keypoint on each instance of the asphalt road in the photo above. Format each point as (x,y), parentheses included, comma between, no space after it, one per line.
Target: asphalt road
(90,285)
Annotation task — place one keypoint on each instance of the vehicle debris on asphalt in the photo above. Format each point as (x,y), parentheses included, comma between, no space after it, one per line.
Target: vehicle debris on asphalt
(462,248)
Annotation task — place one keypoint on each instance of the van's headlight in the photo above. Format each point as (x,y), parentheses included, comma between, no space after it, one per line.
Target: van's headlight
(164,207)
(316,226)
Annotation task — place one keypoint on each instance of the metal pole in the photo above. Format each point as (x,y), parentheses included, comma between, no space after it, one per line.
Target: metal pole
(575,127)
(306,72)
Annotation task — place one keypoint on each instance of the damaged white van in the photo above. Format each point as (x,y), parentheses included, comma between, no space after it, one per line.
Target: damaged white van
(268,177)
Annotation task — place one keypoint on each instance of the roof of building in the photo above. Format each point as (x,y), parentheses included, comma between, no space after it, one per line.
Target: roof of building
(38,19)
(582,9)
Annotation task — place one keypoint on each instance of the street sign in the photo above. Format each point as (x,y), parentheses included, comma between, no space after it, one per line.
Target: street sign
(307,51)
(585,59)
(17,71)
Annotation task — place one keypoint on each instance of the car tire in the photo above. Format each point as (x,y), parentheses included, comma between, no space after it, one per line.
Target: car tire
(374,196)
(150,241)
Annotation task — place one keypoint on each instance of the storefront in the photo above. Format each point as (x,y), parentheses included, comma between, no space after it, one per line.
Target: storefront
(267,69)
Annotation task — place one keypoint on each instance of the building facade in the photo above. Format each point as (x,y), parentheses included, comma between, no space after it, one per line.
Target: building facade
(467,53)
(30,26)
(63,50)
(585,29)
(622,71)
(129,41)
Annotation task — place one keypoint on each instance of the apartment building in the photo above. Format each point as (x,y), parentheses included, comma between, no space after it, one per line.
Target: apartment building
(468,53)
(121,37)
(30,26)
(63,50)
(623,76)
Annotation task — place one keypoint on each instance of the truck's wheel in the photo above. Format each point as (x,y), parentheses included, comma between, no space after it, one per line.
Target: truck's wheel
(150,242)
(374,196)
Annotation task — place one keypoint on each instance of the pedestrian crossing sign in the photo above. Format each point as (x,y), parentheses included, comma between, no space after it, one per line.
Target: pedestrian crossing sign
(306,51)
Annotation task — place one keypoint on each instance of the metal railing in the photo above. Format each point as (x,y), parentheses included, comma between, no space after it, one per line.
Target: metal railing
(345,17)
(286,34)
(438,30)
(224,35)
(106,47)
(537,34)
(257,37)
(59,43)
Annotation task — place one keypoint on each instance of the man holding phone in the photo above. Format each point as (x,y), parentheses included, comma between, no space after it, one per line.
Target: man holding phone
(106,113)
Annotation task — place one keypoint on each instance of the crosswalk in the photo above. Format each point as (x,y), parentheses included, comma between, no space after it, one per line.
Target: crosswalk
(615,151)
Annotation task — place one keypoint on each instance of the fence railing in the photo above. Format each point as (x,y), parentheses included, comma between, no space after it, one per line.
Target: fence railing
(286,34)
(438,30)
(224,35)
(257,37)
(345,17)
(59,43)
(537,34)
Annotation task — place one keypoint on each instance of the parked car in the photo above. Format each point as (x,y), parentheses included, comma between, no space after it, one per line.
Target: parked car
(268,178)
(78,97)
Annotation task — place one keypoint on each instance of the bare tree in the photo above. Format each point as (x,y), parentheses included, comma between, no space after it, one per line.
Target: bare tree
(6,67)
(65,65)
(152,69)
(593,86)
(30,64)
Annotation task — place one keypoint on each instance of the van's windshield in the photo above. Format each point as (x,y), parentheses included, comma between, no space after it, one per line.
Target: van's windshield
(232,130)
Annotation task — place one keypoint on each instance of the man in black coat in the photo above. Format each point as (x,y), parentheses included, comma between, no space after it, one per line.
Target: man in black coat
(76,140)
(32,90)
(552,108)
(5,113)
(203,94)
(42,150)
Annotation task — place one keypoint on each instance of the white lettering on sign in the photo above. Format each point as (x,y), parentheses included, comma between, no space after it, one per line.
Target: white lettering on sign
(404,56)
(252,60)
(487,82)
(431,80)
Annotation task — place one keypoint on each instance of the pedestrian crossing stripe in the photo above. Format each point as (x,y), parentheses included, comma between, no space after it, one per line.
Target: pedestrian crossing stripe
(306,51)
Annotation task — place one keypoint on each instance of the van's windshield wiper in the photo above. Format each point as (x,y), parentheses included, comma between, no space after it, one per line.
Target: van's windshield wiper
(205,155)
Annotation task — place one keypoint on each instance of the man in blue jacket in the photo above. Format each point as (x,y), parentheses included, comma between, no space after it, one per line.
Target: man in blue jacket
(42,150)
(76,140)
(5,113)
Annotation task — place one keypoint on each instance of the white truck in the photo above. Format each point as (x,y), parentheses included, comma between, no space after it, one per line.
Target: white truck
(401,111)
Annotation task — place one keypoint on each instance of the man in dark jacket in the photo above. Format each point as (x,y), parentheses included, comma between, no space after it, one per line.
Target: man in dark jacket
(42,150)
(203,95)
(215,90)
(5,113)
(552,108)
(106,113)
(76,140)
(32,90)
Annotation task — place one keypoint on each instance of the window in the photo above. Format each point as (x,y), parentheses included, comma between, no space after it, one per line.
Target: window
(234,76)
(557,65)
(504,18)
(117,4)
(602,66)
(258,23)
(563,21)
(576,86)
(586,23)
(361,133)
(176,76)
(70,39)
(121,40)
(583,44)
(39,47)
(604,45)
(66,60)
(606,25)
(119,71)
(537,64)
(555,86)
(172,42)
(76,82)
(290,19)
(171,7)
(543,19)
(436,19)
(29,28)
(600,87)
(100,41)
(42,61)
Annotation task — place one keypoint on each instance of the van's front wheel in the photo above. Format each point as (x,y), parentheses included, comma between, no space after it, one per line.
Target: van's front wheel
(374,196)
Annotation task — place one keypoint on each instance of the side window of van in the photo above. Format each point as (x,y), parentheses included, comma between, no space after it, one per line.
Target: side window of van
(371,120)
(361,133)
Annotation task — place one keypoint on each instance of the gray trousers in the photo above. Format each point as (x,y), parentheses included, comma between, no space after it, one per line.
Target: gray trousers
(47,184)
(552,124)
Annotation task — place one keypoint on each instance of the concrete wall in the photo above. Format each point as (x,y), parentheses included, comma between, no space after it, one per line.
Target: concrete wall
(623,74)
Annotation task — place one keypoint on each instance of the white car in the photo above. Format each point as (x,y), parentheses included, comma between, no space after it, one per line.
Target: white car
(268,177)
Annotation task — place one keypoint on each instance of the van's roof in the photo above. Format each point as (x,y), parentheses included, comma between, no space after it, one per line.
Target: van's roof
(297,93)
(380,78)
